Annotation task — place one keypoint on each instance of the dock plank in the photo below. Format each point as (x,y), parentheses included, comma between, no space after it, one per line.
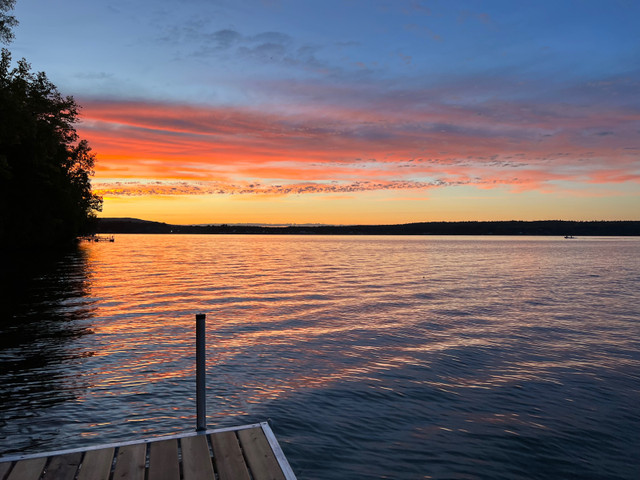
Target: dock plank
(228,457)
(260,457)
(97,464)
(131,462)
(196,460)
(163,460)
(4,469)
(63,467)
(28,469)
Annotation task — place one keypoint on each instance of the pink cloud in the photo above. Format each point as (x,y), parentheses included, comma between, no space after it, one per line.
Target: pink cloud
(389,144)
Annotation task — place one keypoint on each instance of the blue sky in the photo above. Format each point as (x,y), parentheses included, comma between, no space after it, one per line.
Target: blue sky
(548,90)
(149,49)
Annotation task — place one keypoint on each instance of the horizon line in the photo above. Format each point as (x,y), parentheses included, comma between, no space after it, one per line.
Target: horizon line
(284,225)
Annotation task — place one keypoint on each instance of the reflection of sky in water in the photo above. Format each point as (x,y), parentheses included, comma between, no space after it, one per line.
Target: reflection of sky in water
(453,340)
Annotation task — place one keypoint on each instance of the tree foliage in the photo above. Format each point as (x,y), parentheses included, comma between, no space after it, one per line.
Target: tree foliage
(7,21)
(45,170)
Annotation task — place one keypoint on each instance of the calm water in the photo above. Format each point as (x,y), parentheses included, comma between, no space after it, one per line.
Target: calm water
(374,357)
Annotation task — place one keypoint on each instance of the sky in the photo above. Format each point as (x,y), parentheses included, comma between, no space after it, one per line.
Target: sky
(350,112)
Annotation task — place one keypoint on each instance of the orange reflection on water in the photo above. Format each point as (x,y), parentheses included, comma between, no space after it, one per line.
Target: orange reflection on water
(287,315)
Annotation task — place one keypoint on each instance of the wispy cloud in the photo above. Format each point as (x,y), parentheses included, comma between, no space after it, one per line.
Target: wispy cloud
(399,139)
(163,188)
(268,48)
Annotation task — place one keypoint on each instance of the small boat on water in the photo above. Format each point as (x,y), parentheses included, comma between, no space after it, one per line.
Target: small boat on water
(569,237)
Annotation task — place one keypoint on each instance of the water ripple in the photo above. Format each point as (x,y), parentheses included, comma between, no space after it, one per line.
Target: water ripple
(375,357)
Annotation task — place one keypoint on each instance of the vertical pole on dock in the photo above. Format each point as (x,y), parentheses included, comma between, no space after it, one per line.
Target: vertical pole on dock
(201,366)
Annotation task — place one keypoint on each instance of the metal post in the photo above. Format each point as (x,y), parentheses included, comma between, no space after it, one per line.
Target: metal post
(201,365)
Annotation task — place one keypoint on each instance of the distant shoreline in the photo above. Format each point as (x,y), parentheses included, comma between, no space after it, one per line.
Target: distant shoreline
(541,227)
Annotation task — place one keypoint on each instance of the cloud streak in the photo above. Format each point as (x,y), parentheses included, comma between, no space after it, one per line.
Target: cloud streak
(397,139)
(164,188)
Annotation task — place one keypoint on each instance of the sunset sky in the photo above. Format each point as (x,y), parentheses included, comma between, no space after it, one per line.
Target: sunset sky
(350,112)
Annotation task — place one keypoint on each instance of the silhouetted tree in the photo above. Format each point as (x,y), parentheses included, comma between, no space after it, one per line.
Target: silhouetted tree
(6,21)
(45,170)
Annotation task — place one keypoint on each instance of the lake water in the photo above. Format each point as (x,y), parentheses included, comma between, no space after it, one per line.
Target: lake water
(373,357)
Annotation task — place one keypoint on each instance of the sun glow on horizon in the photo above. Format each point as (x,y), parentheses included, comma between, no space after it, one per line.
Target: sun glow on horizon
(367,208)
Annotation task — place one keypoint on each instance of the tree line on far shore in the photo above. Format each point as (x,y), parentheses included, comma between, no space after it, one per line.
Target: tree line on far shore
(45,169)
(544,227)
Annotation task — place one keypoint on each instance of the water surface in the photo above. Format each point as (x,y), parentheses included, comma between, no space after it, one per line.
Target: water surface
(374,357)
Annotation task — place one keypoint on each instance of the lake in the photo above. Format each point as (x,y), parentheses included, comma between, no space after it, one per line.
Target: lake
(373,357)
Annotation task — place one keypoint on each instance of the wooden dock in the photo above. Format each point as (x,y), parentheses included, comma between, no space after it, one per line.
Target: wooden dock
(242,453)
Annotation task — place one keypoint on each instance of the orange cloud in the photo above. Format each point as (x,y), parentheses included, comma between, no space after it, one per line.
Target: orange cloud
(194,150)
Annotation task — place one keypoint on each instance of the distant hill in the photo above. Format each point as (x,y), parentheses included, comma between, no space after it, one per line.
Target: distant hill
(131,225)
(543,227)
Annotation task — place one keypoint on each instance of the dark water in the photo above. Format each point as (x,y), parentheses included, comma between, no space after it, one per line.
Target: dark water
(374,357)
